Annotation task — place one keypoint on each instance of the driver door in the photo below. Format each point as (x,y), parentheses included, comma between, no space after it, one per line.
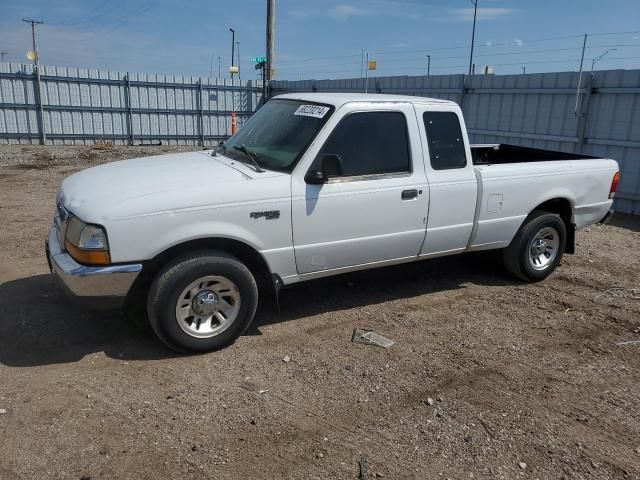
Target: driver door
(373,208)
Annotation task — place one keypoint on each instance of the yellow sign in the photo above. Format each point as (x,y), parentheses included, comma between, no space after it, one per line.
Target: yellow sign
(31,55)
(372,64)
(234,69)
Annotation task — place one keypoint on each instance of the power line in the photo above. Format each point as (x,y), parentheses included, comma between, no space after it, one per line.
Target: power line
(95,15)
(446,67)
(130,16)
(460,47)
(498,54)
(81,18)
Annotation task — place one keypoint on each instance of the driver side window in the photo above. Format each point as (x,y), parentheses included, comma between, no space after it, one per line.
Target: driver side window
(369,143)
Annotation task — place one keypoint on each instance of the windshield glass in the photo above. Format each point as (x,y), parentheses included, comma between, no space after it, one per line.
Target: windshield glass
(278,133)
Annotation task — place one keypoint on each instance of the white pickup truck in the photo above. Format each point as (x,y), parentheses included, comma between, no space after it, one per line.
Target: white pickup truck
(313,185)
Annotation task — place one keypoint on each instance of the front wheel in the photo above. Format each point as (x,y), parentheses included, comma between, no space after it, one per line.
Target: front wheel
(537,248)
(202,302)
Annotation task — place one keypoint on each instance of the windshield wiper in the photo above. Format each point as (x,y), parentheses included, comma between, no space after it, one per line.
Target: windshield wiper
(250,156)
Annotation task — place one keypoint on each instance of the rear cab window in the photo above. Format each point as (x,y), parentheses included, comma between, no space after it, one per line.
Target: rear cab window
(444,137)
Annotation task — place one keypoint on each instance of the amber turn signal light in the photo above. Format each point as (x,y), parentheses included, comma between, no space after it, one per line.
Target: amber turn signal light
(88,257)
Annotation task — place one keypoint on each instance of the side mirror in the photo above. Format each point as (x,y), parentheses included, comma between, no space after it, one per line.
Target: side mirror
(316,177)
(330,166)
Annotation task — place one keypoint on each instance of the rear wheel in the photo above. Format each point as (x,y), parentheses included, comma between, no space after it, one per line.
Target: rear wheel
(537,248)
(202,302)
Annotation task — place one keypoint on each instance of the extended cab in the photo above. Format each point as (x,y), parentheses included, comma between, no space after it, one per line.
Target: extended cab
(313,185)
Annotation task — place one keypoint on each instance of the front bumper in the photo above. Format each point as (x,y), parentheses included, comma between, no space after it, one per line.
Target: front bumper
(108,285)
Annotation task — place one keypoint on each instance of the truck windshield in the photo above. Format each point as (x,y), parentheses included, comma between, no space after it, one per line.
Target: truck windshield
(278,133)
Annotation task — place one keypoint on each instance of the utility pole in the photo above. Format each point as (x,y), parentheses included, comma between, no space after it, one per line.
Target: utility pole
(361,63)
(584,46)
(211,65)
(3,54)
(219,67)
(33,36)
(473,33)
(233,46)
(524,70)
(428,64)
(238,45)
(271,40)
(38,89)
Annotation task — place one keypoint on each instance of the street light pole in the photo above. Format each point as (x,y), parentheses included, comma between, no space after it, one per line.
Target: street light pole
(597,59)
(238,45)
(473,32)
(219,67)
(584,47)
(233,46)
(428,64)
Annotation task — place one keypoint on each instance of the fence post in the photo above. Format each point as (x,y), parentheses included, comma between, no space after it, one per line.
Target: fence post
(38,98)
(463,91)
(249,95)
(127,96)
(200,114)
(583,113)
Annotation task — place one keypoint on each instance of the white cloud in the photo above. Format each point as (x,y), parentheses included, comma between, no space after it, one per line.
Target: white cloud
(519,42)
(466,14)
(298,13)
(371,8)
(345,12)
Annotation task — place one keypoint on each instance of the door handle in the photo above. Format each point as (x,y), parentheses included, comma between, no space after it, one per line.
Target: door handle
(409,194)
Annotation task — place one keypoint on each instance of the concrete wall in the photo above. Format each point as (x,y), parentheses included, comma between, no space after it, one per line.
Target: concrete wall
(83,106)
(534,110)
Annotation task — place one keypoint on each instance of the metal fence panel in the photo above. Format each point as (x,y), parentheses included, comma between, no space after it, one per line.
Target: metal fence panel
(535,110)
(86,105)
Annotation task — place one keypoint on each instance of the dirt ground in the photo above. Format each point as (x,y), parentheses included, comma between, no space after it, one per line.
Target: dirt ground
(489,377)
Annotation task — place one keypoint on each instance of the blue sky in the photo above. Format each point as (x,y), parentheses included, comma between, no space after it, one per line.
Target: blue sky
(324,38)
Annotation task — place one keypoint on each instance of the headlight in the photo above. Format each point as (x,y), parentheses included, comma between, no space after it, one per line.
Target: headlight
(87,243)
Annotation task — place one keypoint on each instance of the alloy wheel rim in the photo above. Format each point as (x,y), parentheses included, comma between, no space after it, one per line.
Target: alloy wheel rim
(544,247)
(208,306)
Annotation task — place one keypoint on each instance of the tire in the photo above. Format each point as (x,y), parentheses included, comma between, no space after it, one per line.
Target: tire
(529,259)
(202,301)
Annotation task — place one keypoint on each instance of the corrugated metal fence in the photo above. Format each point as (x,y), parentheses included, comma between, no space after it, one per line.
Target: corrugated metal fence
(534,110)
(77,105)
(538,110)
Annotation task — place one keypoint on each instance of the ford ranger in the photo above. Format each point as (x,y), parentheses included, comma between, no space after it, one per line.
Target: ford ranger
(312,185)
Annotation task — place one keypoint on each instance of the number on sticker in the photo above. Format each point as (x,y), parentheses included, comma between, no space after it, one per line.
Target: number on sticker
(316,111)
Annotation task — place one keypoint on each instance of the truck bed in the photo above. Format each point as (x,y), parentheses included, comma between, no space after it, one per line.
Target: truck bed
(490,154)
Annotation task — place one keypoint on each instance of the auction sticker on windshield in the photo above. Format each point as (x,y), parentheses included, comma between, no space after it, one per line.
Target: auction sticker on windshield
(316,111)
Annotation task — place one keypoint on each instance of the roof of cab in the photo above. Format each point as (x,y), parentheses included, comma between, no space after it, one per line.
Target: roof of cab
(339,99)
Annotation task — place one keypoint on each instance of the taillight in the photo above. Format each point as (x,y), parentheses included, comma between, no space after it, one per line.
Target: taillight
(614,184)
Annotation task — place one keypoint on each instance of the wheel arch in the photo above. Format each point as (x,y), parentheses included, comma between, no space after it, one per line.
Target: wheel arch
(563,207)
(267,281)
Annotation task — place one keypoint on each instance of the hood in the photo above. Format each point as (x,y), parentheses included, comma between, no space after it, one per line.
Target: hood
(157,183)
